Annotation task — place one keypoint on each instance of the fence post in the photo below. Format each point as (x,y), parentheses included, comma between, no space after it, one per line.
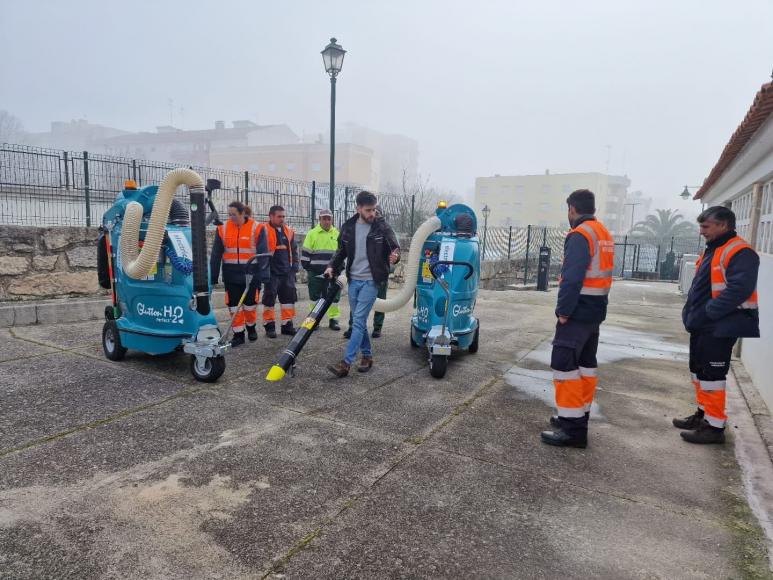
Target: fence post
(544,236)
(625,248)
(134,170)
(313,201)
(246,188)
(66,170)
(413,209)
(509,242)
(526,262)
(86,184)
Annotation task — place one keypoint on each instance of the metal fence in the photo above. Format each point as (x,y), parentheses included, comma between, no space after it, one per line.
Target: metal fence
(48,187)
(639,257)
(647,257)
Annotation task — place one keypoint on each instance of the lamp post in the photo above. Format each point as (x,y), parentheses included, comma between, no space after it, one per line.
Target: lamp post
(486,211)
(333,59)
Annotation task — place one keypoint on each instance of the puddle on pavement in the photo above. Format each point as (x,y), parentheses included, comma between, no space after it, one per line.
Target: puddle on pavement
(615,344)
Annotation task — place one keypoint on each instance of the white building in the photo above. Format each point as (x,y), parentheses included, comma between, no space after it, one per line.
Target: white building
(742,180)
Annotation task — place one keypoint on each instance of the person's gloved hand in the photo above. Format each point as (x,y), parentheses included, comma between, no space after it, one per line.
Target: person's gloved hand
(697,321)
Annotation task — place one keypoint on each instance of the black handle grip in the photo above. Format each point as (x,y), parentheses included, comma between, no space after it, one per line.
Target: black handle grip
(470,269)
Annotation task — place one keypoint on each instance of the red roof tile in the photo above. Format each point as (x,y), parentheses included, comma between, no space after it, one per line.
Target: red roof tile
(761,109)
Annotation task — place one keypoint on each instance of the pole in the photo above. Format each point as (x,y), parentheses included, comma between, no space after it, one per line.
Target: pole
(86,187)
(134,170)
(625,248)
(313,201)
(246,188)
(485,234)
(66,171)
(509,242)
(332,144)
(526,263)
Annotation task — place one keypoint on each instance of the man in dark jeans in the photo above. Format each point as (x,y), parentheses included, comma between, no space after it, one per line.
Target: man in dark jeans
(369,247)
(721,307)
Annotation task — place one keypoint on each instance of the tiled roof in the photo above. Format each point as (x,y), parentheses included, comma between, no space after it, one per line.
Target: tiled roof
(759,112)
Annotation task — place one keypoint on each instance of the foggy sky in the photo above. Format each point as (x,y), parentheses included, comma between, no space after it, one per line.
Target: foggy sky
(485,87)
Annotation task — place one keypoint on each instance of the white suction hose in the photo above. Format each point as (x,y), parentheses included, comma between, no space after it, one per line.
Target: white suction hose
(138,264)
(411,268)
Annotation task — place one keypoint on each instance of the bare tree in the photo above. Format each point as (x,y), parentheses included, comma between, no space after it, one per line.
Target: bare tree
(418,198)
(11,129)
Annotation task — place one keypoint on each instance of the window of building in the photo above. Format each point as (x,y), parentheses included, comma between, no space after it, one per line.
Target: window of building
(519,189)
(545,188)
(254,167)
(566,188)
(272,166)
(316,167)
(483,189)
(291,167)
(544,206)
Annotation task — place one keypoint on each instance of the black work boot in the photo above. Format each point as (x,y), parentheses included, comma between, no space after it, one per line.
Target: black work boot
(691,422)
(348,333)
(288,328)
(561,438)
(252,334)
(376,333)
(270,330)
(554,421)
(704,434)
(238,339)
(334,324)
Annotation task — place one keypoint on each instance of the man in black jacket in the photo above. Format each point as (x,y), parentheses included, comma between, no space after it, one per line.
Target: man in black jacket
(369,247)
(721,307)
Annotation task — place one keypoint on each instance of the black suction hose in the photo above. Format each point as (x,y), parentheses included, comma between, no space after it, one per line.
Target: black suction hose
(199,243)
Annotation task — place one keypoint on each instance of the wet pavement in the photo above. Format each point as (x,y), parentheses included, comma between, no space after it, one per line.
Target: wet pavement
(135,470)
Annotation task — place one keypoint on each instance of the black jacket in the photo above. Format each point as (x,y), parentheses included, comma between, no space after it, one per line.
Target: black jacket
(721,316)
(579,307)
(380,243)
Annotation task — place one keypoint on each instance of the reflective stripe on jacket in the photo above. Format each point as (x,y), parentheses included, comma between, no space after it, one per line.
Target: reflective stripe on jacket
(719,264)
(598,276)
(318,249)
(239,242)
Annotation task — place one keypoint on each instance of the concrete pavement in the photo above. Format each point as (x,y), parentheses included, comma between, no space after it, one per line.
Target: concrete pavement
(134,470)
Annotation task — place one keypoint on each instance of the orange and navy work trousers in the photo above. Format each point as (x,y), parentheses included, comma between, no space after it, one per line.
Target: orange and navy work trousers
(574,366)
(249,312)
(709,365)
(283,288)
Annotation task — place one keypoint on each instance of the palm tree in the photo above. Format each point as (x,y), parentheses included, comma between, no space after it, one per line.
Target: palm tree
(665,224)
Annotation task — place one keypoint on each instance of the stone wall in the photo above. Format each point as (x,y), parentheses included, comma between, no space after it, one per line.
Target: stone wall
(43,263)
(59,262)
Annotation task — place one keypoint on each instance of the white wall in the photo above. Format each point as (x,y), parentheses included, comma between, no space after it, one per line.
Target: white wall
(757,352)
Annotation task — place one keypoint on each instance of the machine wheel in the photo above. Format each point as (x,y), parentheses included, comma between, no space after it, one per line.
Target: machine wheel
(473,348)
(437,365)
(208,372)
(111,341)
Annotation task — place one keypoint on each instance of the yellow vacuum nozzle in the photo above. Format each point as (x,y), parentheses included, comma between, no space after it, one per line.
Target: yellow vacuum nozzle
(276,373)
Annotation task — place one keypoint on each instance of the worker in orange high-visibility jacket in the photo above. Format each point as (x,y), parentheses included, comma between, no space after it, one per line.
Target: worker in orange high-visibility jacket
(586,279)
(721,307)
(284,267)
(236,241)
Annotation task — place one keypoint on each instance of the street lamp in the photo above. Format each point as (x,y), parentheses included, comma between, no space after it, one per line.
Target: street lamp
(685,195)
(486,211)
(333,59)
(633,207)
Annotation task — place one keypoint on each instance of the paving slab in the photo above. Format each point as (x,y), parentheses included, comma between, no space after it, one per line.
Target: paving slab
(204,486)
(64,391)
(444,516)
